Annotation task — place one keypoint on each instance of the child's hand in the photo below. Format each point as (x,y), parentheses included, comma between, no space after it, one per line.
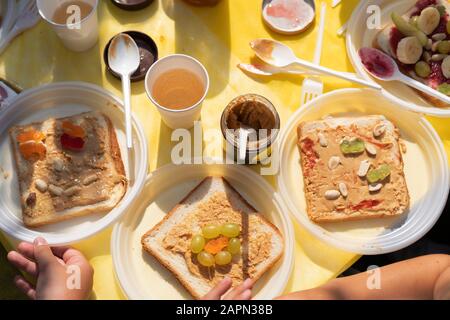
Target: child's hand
(242,292)
(61,273)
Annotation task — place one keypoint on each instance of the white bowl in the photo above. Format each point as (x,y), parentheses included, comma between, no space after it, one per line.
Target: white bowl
(358,36)
(60,100)
(142,277)
(426,172)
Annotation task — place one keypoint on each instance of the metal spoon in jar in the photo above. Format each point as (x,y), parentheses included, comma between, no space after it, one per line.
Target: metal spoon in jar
(124,59)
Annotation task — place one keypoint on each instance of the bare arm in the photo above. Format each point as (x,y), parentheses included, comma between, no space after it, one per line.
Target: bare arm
(426,277)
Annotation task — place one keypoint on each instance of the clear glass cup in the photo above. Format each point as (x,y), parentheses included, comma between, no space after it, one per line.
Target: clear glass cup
(76,35)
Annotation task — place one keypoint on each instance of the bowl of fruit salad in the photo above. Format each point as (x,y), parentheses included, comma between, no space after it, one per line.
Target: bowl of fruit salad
(416,35)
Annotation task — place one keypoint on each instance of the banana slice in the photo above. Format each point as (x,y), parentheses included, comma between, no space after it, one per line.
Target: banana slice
(409,50)
(446,67)
(384,42)
(429,20)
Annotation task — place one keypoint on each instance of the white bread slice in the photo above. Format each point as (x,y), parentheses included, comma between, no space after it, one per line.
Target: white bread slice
(45,211)
(393,198)
(200,283)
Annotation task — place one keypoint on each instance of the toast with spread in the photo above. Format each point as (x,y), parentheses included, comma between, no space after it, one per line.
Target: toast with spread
(67,168)
(419,41)
(214,233)
(352,169)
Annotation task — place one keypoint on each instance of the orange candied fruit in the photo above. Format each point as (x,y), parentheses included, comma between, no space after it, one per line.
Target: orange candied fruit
(31,135)
(33,149)
(216,245)
(73,130)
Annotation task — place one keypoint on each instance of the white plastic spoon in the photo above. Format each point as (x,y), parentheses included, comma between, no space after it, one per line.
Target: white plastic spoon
(383,67)
(268,70)
(124,59)
(265,69)
(280,55)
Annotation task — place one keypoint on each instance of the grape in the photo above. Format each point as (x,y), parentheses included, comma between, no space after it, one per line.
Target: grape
(197,244)
(205,259)
(223,258)
(230,230)
(444,47)
(211,231)
(234,246)
(422,69)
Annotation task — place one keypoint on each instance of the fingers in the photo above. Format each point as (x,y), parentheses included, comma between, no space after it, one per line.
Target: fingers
(22,263)
(242,292)
(27,250)
(72,256)
(43,255)
(69,255)
(24,286)
(219,290)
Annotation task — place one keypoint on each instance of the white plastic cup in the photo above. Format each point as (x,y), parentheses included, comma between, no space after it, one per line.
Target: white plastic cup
(183,118)
(75,36)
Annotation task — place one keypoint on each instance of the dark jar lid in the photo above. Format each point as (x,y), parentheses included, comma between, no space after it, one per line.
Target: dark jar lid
(148,52)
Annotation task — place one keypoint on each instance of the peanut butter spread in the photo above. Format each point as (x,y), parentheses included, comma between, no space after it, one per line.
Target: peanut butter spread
(66,179)
(256,244)
(250,113)
(336,184)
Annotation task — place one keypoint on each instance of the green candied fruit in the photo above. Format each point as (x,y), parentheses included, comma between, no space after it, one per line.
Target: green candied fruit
(444,88)
(353,146)
(379,174)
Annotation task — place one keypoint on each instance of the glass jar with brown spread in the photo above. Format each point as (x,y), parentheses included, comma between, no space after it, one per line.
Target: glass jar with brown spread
(203,2)
(256,115)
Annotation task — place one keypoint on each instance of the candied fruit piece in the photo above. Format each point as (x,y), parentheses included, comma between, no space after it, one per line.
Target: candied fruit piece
(216,245)
(30,135)
(73,130)
(353,146)
(32,149)
(72,143)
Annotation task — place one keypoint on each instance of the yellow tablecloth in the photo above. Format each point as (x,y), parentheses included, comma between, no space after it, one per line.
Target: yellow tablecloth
(219,38)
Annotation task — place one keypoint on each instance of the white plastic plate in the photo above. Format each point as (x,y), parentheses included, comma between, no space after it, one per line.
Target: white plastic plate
(143,277)
(359,36)
(60,100)
(426,172)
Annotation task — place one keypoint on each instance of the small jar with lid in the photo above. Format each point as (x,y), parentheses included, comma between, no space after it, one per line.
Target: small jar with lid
(256,115)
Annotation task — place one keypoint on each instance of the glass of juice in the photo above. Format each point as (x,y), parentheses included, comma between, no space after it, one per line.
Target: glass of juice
(74,21)
(177,85)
